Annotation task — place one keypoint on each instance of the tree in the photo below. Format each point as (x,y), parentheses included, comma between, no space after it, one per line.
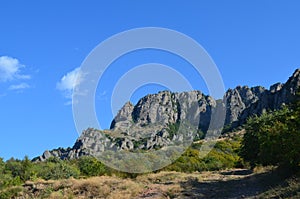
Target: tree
(55,169)
(26,172)
(274,138)
(90,166)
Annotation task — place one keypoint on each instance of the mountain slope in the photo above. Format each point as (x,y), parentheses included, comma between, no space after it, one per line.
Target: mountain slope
(167,118)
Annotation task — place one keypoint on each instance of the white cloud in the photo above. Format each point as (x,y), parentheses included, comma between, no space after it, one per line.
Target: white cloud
(68,82)
(10,69)
(19,86)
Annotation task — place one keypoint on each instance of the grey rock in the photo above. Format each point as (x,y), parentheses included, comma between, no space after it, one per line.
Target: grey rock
(146,125)
(123,119)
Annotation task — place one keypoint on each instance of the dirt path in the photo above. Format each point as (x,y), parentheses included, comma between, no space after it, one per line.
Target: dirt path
(229,184)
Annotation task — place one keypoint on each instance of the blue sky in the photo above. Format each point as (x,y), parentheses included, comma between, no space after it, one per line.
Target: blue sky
(43,42)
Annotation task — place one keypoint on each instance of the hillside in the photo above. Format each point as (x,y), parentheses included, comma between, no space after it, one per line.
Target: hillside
(231,184)
(260,161)
(153,123)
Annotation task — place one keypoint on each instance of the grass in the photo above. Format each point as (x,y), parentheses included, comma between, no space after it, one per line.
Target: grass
(263,182)
(94,187)
(11,192)
(288,188)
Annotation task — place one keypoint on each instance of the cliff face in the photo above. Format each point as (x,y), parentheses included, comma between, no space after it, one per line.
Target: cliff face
(146,125)
(273,99)
(166,108)
(241,102)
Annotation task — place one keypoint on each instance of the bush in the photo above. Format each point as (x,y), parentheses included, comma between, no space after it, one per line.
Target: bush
(10,192)
(223,155)
(274,138)
(57,169)
(90,166)
(20,168)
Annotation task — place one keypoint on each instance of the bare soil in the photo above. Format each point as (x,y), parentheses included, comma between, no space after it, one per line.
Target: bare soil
(231,184)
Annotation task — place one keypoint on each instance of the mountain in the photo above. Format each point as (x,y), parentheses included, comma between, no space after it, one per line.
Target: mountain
(170,119)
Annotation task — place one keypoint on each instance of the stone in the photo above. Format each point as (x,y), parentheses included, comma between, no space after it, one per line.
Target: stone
(146,125)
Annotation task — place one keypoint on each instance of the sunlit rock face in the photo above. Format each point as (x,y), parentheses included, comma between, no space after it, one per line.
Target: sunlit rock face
(147,125)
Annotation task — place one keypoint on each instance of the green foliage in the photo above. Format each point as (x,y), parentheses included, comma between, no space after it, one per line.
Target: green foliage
(188,162)
(20,168)
(55,168)
(14,172)
(199,135)
(223,155)
(13,167)
(181,127)
(90,166)
(173,129)
(274,138)
(138,143)
(27,172)
(10,192)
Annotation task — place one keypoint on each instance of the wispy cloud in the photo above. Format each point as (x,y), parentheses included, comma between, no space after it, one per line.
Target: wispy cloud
(19,86)
(10,69)
(68,82)
(12,74)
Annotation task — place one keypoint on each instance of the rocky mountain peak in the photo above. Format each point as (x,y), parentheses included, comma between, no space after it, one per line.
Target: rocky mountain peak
(123,119)
(296,74)
(276,87)
(294,82)
(146,125)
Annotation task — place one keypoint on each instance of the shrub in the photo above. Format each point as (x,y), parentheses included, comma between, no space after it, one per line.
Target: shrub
(10,192)
(57,169)
(274,138)
(223,155)
(90,166)
(20,168)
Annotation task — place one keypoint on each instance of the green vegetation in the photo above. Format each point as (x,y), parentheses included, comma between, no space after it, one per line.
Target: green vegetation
(270,139)
(185,126)
(274,138)
(55,169)
(222,156)
(15,172)
(90,166)
(173,129)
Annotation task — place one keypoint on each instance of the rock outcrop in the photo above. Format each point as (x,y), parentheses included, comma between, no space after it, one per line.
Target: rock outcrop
(147,125)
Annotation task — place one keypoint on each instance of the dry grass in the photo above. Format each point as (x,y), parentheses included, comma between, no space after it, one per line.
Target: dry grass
(289,188)
(104,187)
(95,187)
(223,184)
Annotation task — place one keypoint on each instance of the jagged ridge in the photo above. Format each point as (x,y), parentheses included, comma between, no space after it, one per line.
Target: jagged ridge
(150,118)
